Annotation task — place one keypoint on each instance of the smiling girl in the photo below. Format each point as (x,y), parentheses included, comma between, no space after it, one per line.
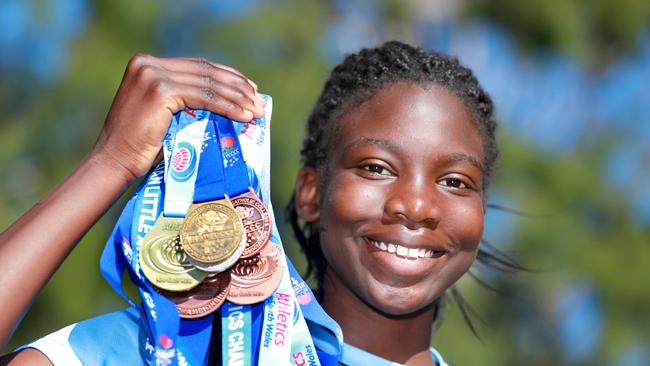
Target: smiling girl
(398,153)
(388,206)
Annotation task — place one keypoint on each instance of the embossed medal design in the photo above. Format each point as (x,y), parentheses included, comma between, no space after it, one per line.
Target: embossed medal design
(255,279)
(212,232)
(224,264)
(163,260)
(203,299)
(256,220)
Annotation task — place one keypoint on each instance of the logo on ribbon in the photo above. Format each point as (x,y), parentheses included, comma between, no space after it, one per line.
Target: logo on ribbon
(302,291)
(183,163)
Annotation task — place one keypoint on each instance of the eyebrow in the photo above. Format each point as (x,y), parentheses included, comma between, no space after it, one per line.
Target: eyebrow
(454,157)
(374,141)
(450,158)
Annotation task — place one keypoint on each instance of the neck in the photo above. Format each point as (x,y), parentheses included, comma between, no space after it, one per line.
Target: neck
(399,338)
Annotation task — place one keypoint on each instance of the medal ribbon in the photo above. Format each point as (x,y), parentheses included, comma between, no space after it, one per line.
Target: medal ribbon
(326,334)
(186,136)
(159,315)
(236,320)
(176,341)
(279,309)
(236,343)
(119,254)
(303,351)
(223,169)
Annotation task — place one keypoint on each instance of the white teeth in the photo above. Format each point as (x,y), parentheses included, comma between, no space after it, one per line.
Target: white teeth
(402,251)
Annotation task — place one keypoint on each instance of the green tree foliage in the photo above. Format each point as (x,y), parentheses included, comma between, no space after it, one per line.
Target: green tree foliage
(595,30)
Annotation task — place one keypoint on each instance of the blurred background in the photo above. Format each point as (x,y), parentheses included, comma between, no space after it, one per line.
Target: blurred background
(570,82)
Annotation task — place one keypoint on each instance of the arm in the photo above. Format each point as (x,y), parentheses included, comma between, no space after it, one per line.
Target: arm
(151,91)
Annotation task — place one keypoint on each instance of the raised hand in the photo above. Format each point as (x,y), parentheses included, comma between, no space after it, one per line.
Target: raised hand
(153,89)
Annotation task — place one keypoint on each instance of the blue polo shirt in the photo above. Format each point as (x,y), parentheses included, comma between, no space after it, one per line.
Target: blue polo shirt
(119,339)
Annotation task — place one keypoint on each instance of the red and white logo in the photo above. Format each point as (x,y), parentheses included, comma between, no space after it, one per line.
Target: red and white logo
(181,160)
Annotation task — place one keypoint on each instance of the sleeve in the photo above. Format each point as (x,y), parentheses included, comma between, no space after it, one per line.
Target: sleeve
(57,348)
(107,340)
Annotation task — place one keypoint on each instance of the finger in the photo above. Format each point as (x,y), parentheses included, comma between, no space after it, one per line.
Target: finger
(203,66)
(221,89)
(198,61)
(232,69)
(205,98)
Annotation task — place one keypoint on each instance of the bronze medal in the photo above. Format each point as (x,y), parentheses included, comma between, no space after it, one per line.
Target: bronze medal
(211,232)
(163,260)
(256,220)
(255,279)
(204,299)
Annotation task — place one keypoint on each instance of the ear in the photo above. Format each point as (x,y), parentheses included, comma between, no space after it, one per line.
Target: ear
(307,195)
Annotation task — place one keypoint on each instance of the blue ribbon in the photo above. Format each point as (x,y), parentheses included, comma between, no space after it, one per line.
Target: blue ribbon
(222,170)
(237,345)
(171,341)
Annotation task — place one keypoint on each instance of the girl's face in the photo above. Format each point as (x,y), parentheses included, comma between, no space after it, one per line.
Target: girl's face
(401,208)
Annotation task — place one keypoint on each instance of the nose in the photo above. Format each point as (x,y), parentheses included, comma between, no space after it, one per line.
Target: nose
(413,204)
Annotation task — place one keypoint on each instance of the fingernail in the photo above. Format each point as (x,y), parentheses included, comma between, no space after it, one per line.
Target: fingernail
(248,114)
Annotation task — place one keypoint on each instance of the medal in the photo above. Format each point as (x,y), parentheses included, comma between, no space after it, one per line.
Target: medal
(212,232)
(203,299)
(163,260)
(255,279)
(256,220)
(226,263)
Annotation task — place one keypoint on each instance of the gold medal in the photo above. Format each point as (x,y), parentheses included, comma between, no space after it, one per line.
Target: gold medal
(211,232)
(226,263)
(163,260)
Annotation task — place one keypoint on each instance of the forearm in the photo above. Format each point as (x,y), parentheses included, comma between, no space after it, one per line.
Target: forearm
(34,246)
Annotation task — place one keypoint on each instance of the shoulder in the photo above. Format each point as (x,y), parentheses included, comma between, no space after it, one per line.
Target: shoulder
(109,339)
(27,356)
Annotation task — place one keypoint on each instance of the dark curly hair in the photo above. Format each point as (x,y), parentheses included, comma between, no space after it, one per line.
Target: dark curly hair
(357,79)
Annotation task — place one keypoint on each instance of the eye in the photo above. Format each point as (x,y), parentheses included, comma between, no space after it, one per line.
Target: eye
(376,169)
(454,183)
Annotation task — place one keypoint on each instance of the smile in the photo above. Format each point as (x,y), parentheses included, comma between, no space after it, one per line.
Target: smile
(402,251)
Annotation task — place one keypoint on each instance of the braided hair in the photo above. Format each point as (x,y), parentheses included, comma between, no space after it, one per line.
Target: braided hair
(358,78)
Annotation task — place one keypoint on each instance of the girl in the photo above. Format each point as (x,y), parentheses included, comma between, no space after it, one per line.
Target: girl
(388,205)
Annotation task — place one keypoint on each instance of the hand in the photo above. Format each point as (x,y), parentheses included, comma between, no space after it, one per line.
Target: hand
(152,90)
